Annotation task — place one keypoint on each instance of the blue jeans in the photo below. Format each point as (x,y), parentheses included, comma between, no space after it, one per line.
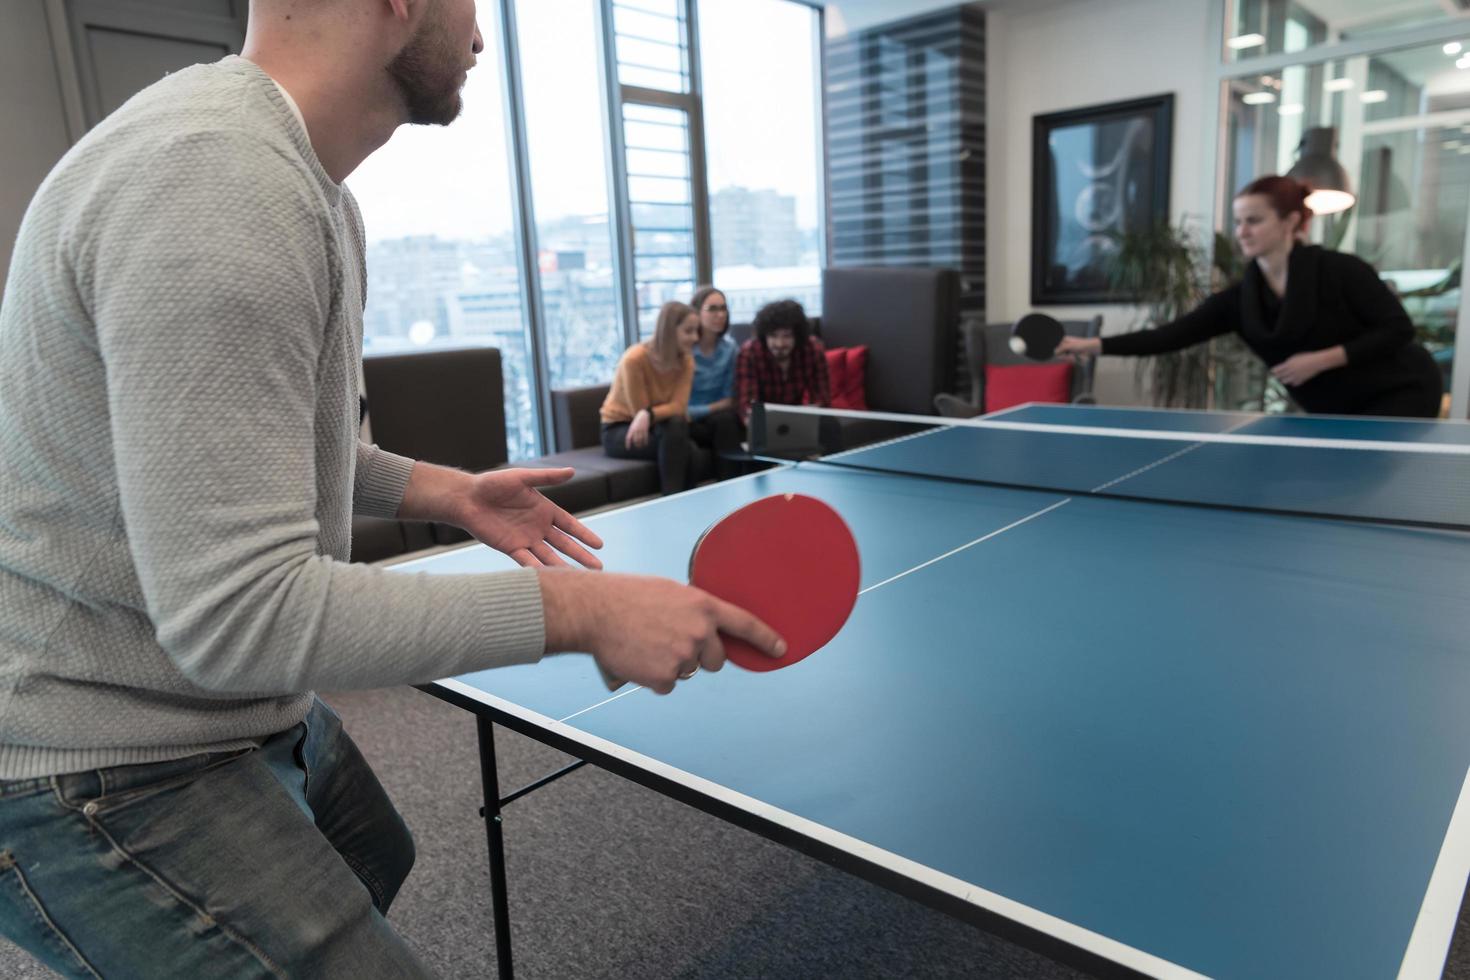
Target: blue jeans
(276,862)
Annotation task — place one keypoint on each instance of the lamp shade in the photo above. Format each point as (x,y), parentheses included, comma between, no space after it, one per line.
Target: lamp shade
(1316,167)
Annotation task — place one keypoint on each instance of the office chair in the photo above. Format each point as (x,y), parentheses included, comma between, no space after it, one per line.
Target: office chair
(989,344)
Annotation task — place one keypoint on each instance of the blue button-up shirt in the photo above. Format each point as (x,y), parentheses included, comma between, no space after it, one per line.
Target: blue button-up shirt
(714,377)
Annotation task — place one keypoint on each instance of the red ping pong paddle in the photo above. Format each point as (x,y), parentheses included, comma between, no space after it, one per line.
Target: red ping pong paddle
(1036,335)
(790,560)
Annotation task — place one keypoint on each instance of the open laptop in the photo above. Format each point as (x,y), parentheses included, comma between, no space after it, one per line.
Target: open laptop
(785,435)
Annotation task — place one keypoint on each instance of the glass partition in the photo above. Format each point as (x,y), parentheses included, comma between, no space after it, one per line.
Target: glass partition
(1255,28)
(1400,122)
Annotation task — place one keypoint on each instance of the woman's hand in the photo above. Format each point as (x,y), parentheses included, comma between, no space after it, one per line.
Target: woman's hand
(1298,369)
(637,436)
(1075,347)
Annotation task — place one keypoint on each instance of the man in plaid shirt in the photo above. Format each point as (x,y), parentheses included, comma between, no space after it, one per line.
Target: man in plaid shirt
(783,364)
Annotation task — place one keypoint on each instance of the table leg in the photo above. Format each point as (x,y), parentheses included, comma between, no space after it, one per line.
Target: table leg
(495,838)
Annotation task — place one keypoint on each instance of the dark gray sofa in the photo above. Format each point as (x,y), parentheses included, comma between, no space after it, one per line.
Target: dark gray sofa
(446,407)
(443,407)
(577,425)
(909,320)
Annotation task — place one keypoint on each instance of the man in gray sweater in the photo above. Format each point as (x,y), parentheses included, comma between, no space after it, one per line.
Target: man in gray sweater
(179,463)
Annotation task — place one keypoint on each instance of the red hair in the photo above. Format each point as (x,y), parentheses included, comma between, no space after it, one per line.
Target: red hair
(1287,195)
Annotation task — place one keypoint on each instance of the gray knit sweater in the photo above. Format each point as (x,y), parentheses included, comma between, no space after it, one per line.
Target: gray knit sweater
(179,462)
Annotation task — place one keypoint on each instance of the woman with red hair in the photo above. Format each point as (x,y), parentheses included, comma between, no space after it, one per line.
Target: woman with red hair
(1325,323)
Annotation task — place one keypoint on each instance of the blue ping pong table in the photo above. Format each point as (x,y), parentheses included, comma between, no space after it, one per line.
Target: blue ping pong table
(1140,738)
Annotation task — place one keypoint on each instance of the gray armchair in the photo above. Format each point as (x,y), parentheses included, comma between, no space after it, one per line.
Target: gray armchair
(443,407)
(989,343)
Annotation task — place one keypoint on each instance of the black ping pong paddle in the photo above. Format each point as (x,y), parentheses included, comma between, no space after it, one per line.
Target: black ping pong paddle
(1036,336)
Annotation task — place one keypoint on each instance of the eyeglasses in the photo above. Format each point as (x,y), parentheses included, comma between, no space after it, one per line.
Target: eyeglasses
(716,309)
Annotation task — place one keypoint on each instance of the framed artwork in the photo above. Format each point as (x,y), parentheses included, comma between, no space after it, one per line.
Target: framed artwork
(1097,171)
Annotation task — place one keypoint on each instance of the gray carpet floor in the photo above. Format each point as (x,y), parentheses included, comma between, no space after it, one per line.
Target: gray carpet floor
(609,880)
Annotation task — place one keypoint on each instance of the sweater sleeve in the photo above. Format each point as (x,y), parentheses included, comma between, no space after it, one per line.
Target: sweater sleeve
(1386,326)
(380,480)
(678,402)
(1217,315)
(616,407)
(210,299)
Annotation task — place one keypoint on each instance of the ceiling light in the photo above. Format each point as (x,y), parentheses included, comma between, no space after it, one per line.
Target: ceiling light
(1464,149)
(1242,41)
(1453,47)
(1463,61)
(1295,109)
(1258,98)
(1338,84)
(1374,95)
(1451,144)
(1329,202)
(1317,167)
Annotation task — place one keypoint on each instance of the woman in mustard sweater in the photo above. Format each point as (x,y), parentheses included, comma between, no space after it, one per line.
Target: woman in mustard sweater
(645,414)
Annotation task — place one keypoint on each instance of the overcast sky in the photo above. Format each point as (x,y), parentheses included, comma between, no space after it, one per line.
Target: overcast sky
(758,66)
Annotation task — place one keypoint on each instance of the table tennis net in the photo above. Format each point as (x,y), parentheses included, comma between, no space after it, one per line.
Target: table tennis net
(1419,483)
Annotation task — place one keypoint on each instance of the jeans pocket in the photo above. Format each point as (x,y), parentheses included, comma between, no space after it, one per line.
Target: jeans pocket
(314,751)
(24,919)
(136,786)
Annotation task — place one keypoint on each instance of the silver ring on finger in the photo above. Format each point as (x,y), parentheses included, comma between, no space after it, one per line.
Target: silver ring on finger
(689,673)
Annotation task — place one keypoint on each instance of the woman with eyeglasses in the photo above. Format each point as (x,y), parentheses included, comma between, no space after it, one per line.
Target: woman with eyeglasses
(712,420)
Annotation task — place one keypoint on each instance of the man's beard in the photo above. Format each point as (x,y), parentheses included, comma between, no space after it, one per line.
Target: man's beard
(430,90)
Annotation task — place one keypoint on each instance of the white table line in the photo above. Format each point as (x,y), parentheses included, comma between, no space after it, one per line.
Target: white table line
(1172,456)
(592,707)
(971,544)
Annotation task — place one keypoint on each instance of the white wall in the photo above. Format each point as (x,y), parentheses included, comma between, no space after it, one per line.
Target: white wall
(1064,54)
(31,114)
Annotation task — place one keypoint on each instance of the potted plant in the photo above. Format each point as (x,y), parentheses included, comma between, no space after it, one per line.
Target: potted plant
(1170,270)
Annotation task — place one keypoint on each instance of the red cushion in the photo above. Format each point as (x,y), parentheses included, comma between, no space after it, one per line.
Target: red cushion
(1016,384)
(836,368)
(847,370)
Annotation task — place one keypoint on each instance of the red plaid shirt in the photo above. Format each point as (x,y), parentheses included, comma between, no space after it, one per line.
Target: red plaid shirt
(758,378)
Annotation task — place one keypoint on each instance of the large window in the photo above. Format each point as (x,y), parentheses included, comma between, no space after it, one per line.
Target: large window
(658,117)
(759,68)
(566,138)
(605,239)
(441,250)
(661,207)
(651,47)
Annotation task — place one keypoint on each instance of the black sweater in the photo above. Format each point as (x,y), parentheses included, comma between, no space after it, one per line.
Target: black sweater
(1331,298)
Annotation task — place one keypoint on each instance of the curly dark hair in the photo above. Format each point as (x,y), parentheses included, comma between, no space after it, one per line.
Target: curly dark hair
(784,314)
